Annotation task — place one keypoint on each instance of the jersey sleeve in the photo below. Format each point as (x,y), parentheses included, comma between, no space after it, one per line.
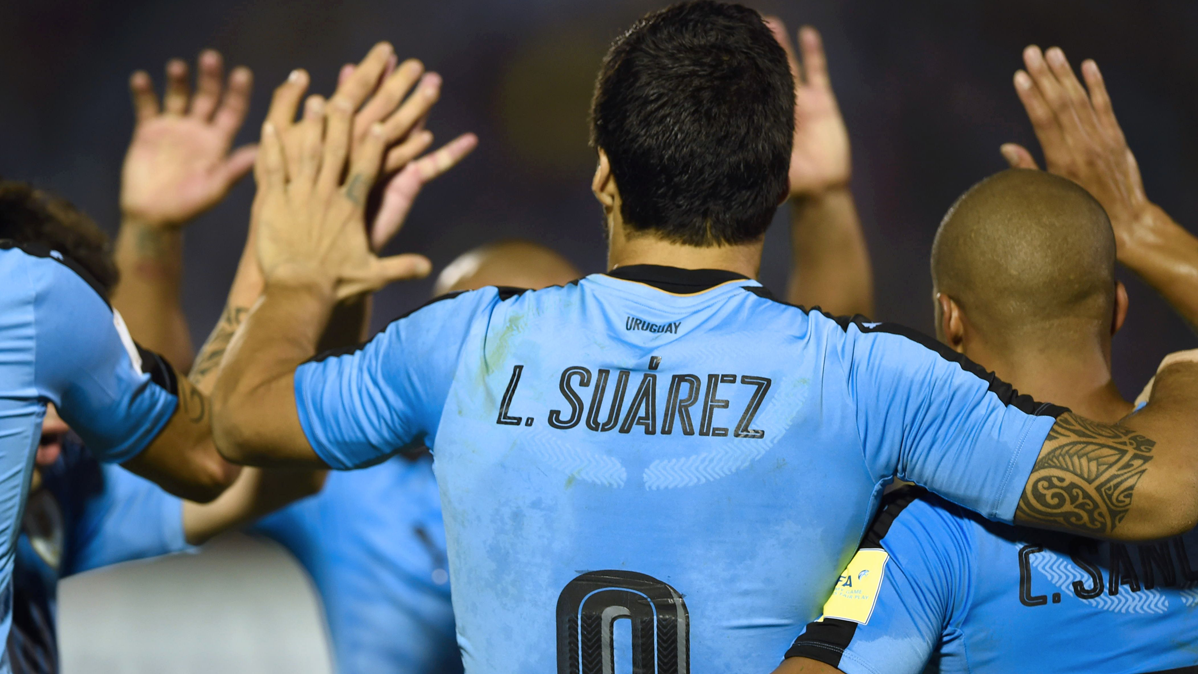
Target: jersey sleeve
(116,396)
(359,407)
(929,415)
(901,595)
(129,518)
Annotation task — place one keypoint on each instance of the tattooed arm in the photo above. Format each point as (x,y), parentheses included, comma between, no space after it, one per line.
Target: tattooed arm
(183,459)
(178,166)
(1136,480)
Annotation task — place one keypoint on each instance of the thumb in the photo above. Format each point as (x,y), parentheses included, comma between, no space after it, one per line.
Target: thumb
(405,267)
(239,162)
(1018,156)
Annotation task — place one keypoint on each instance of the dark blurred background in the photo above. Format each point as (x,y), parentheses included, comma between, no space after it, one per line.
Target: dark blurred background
(925,87)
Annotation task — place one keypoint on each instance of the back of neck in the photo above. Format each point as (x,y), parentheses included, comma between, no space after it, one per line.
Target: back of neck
(631,248)
(1078,379)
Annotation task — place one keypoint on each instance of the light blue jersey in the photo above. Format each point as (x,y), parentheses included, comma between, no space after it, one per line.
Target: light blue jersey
(373,543)
(85,516)
(961,594)
(61,343)
(660,466)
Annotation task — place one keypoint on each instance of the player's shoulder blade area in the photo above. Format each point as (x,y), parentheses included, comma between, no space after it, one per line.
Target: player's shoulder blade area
(646,444)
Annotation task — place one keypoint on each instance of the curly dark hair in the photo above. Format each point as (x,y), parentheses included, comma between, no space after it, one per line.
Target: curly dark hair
(30,215)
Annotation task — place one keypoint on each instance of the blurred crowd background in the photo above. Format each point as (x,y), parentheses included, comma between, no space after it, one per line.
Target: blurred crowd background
(925,88)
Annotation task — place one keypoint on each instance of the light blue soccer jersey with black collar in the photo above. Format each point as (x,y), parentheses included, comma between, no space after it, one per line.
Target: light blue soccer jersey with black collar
(656,469)
(958,593)
(60,342)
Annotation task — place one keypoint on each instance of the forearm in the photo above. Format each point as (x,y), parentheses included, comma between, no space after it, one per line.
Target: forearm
(256,421)
(256,493)
(831,267)
(245,291)
(1166,496)
(150,260)
(1136,480)
(1165,255)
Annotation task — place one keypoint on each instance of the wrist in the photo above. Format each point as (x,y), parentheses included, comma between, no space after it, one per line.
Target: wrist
(135,220)
(1152,231)
(819,194)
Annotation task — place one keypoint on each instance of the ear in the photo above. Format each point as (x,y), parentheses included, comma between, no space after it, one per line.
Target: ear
(1121,303)
(604,184)
(950,323)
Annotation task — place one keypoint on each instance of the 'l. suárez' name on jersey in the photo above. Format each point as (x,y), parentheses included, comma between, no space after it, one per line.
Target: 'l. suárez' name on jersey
(688,398)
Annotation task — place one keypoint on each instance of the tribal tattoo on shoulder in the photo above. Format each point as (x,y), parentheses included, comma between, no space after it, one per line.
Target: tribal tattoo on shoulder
(1084,480)
(213,350)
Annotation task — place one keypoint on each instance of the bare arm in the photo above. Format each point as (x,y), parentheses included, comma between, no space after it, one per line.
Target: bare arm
(183,459)
(178,165)
(830,262)
(1136,480)
(1082,140)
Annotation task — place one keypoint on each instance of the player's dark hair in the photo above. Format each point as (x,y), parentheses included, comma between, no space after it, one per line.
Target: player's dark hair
(694,108)
(33,216)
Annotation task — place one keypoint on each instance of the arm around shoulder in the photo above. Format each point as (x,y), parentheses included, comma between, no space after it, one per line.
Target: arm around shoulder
(1136,480)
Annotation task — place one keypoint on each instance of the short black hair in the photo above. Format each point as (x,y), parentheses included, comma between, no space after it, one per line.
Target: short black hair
(694,107)
(32,216)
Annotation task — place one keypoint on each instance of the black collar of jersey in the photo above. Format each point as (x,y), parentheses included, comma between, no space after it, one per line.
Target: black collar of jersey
(675,279)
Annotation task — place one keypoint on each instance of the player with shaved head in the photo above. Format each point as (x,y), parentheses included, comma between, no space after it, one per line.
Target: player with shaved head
(1024,272)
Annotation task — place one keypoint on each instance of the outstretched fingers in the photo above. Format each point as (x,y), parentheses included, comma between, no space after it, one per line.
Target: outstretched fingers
(389,96)
(1075,94)
(1044,121)
(1101,100)
(365,77)
(235,103)
(415,109)
(208,85)
(405,186)
(364,169)
(338,121)
(413,146)
(274,165)
(311,131)
(145,101)
(177,90)
(815,62)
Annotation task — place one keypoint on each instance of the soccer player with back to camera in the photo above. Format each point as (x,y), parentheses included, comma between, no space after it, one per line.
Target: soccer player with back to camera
(664,442)
(373,540)
(1024,270)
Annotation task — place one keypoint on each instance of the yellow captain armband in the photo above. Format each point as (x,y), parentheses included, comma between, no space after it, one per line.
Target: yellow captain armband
(856,591)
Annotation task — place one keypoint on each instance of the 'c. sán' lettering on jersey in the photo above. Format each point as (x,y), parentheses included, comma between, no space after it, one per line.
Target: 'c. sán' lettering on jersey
(688,403)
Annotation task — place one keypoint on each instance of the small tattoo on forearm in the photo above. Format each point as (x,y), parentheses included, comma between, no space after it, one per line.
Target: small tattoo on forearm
(1085,480)
(151,243)
(213,351)
(194,405)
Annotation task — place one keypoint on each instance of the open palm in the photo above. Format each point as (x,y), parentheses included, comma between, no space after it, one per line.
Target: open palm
(178,164)
(820,159)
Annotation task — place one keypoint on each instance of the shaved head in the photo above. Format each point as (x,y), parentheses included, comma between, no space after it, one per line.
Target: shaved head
(1023,249)
(513,262)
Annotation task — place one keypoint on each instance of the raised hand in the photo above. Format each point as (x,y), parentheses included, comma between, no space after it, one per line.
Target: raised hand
(1082,141)
(379,79)
(1080,137)
(400,191)
(179,163)
(820,160)
(311,228)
